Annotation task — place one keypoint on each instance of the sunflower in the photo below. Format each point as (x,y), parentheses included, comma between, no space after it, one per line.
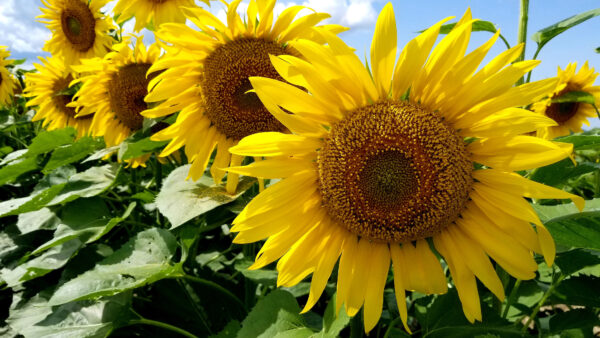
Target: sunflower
(79,29)
(416,159)
(152,11)
(113,89)
(206,78)
(569,115)
(7,84)
(51,92)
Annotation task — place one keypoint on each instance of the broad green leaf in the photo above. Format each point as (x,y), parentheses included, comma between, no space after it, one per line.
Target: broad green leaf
(145,259)
(7,245)
(572,261)
(438,321)
(559,173)
(575,96)
(581,142)
(47,141)
(571,228)
(87,231)
(34,318)
(230,331)
(59,176)
(578,290)
(15,169)
(100,154)
(332,324)
(581,319)
(273,316)
(137,148)
(43,219)
(52,259)
(181,200)
(261,276)
(34,202)
(13,156)
(72,153)
(91,182)
(543,36)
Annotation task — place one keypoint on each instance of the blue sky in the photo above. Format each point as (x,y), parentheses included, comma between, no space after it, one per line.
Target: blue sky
(25,37)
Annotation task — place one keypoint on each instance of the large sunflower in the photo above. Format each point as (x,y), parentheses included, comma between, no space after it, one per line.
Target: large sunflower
(79,29)
(206,78)
(417,158)
(7,84)
(569,116)
(51,92)
(113,90)
(152,11)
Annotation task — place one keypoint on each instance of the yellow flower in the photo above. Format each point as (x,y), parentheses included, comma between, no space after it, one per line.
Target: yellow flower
(113,90)
(569,116)
(378,169)
(7,83)
(50,89)
(206,78)
(152,11)
(79,29)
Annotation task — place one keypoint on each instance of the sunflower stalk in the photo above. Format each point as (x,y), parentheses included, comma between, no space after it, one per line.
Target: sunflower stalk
(523,18)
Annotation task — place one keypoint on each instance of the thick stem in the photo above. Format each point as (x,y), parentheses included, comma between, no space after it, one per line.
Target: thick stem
(165,326)
(523,18)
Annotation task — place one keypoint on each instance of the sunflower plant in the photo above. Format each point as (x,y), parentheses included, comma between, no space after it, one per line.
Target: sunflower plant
(248,174)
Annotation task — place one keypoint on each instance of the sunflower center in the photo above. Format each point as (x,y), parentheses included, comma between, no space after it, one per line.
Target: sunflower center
(78,24)
(562,111)
(231,109)
(61,96)
(393,172)
(127,89)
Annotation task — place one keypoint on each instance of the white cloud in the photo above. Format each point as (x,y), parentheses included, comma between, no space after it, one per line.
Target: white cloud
(19,30)
(350,13)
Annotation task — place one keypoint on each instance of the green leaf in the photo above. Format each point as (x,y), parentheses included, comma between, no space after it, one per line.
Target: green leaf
(145,259)
(580,319)
(438,321)
(572,261)
(572,228)
(72,153)
(43,219)
(578,290)
(88,230)
(559,173)
(598,50)
(15,155)
(581,142)
(101,154)
(575,96)
(50,260)
(34,318)
(478,26)
(136,148)
(332,324)
(273,316)
(180,200)
(261,276)
(12,171)
(230,331)
(543,36)
(89,183)
(47,141)
(34,202)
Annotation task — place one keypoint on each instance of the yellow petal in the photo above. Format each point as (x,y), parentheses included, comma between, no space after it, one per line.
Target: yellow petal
(380,264)
(508,122)
(399,261)
(275,144)
(383,49)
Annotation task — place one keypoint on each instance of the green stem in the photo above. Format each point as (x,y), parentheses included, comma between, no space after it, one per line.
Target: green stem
(523,18)
(183,284)
(511,298)
(391,326)
(216,287)
(356,326)
(537,51)
(536,310)
(144,321)
(505,41)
